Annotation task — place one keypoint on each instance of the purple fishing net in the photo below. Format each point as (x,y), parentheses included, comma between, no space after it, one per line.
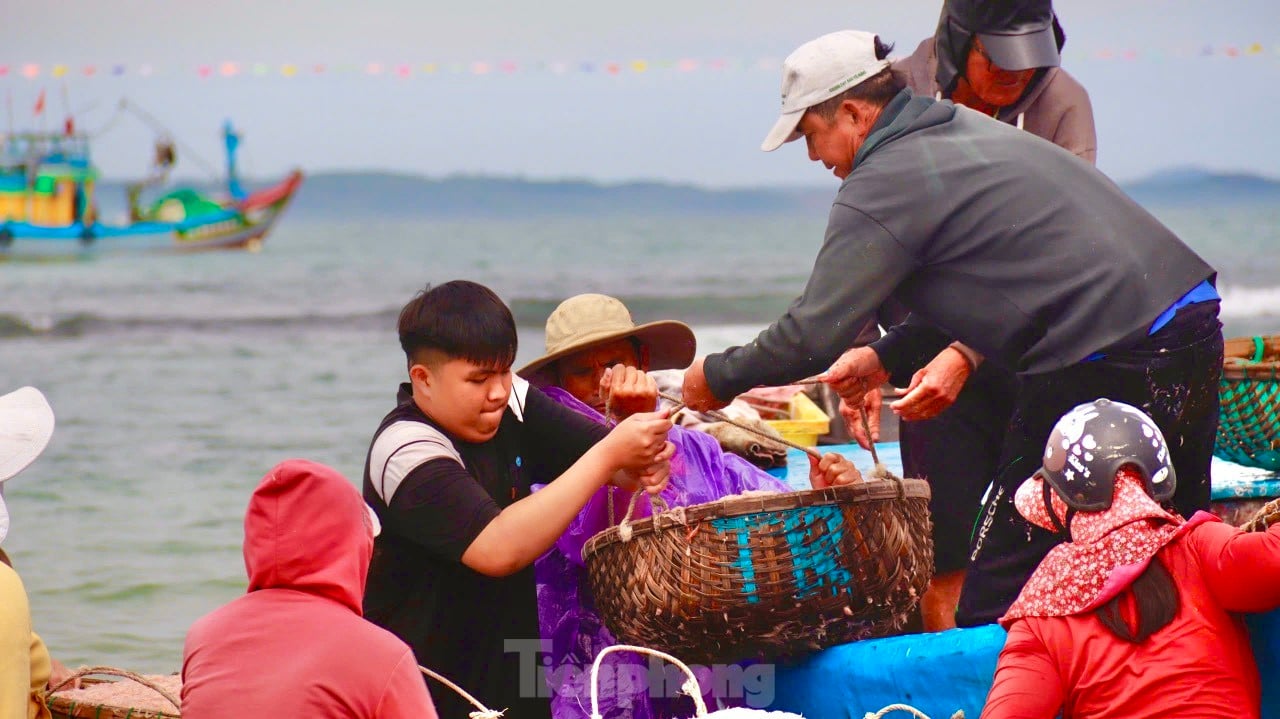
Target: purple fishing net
(631,686)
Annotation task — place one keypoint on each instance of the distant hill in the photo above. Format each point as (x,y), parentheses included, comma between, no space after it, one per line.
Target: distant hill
(398,195)
(395,195)
(1194,186)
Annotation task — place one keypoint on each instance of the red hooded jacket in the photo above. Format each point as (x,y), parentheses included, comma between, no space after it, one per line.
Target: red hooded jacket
(296,645)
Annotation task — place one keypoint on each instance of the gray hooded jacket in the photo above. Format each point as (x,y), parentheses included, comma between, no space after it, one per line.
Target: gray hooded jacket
(1056,108)
(1006,242)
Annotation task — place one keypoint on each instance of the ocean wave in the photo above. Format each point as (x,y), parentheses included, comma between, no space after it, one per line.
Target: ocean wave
(529,313)
(1238,301)
(83,324)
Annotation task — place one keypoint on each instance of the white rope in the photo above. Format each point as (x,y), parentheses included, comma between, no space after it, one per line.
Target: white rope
(484,713)
(625,529)
(905,708)
(690,687)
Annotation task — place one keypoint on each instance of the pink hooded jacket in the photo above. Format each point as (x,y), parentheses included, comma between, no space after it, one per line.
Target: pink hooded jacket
(296,645)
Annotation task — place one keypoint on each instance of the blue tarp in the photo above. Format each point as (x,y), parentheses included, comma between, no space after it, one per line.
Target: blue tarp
(940,673)
(935,673)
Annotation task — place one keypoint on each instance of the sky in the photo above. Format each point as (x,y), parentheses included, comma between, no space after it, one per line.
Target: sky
(1159,100)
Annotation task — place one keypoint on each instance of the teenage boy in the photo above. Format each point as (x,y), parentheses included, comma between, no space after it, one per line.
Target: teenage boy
(448,474)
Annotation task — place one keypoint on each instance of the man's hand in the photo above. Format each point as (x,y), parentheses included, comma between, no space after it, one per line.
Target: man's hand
(935,387)
(831,470)
(696,392)
(857,372)
(853,418)
(627,390)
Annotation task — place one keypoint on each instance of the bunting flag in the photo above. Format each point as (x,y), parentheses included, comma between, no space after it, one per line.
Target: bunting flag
(229,69)
(40,104)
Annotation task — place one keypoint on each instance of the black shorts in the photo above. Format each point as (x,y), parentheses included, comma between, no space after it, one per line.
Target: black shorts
(958,453)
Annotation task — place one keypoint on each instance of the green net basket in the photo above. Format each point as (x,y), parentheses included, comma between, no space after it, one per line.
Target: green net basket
(1249,392)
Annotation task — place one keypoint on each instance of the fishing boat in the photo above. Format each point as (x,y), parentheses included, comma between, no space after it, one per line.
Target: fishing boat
(49,208)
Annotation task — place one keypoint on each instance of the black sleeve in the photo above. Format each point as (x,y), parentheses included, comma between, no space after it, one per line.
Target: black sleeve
(441,507)
(908,346)
(556,436)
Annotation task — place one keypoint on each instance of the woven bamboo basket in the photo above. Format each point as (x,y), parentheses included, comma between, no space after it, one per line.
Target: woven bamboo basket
(1249,394)
(97,698)
(767,576)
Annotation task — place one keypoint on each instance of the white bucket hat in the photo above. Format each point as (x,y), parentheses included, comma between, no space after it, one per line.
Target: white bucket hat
(26,424)
(819,70)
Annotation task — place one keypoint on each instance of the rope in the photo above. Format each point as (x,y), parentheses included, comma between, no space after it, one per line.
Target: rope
(85,671)
(157,126)
(483,713)
(624,527)
(879,470)
(690,687)
(721,417)
(905,708)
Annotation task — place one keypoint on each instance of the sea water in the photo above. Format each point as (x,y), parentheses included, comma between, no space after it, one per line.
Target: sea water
(178,381)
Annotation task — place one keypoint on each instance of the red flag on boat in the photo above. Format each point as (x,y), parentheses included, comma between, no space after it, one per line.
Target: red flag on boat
(40,104)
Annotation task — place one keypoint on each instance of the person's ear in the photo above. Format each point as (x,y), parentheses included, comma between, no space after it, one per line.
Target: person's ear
(643,357)
(852,110)
(420,377)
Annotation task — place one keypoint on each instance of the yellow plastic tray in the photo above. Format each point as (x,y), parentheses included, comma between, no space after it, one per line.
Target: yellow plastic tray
(807,423)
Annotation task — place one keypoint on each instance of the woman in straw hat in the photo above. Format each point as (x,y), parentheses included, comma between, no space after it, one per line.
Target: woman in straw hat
(595,363)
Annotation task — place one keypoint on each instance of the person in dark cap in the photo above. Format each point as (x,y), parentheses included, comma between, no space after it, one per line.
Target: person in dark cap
(1001,59)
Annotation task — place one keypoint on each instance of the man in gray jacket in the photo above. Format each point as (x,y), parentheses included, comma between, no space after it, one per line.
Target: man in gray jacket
(1006,243)
(1001,59)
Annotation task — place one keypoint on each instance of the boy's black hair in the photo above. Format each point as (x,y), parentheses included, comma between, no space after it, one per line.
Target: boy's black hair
(463,320)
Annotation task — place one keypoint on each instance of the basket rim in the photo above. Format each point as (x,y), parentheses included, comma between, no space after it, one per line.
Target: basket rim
(1252,352)
(1235,368)
(737,506)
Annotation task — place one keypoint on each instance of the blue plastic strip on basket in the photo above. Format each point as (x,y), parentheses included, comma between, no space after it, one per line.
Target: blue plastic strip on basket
(814,563)
(741,529)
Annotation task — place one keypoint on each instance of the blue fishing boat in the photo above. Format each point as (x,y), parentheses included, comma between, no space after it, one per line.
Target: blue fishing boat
(49,209)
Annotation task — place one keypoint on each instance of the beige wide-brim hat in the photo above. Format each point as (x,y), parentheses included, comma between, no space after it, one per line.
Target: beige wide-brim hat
(585,321)
(26,424)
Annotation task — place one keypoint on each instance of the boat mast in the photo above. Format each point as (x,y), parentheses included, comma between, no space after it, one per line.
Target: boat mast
(232,141)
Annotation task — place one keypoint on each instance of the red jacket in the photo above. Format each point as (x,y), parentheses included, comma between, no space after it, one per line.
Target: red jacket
(1199,665)
(296,645)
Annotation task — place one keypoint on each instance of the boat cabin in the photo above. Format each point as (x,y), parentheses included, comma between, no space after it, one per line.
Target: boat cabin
(46,179)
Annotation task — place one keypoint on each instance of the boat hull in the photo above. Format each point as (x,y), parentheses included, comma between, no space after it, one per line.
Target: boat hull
(242,226)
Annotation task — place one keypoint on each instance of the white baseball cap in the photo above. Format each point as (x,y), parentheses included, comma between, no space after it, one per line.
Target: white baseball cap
(26,424)
(819,70)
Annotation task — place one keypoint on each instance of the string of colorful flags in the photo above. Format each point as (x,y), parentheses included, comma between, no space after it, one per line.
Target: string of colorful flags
(229,69)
